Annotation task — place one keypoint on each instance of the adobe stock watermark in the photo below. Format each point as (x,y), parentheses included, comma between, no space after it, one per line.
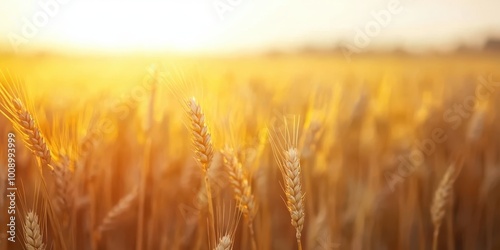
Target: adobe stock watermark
(123,106)
(190,212)
(47,9)
(454,117)
(363,37)
(223,7)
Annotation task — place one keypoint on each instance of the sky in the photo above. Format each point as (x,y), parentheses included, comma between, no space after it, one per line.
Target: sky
(214,26)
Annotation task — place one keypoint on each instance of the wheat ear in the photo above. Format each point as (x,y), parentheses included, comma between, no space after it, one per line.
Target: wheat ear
(442,197)
(224,243)
(33,137)
(284,145)
(228,221)
(64,186)
(123,205)
(15,110)
(242,189)
(32,233)
(239,181)
(202,141)
(293,189)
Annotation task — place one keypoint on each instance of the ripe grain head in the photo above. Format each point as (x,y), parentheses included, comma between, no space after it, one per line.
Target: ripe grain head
(240,183)
(202,139)
(32,232)
(284,145)
(15,107)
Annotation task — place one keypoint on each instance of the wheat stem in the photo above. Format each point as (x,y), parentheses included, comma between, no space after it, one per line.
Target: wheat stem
(202,141)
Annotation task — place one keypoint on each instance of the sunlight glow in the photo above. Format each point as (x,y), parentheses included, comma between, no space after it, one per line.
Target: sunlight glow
(241,25)
(171,24)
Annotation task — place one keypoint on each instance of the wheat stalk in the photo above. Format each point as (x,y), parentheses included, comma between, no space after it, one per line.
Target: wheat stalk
(32,233)
(442,197)
(202,141)
(146,169)
(286,154)
(120,208)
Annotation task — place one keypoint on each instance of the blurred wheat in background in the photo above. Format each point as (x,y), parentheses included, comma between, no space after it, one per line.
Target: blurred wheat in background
(310,158)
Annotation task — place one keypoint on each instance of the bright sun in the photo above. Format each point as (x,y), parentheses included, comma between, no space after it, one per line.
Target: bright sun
(122,25)
(199,26)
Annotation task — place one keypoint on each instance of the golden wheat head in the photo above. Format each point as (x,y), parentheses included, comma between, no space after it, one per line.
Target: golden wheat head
(63,184)
(240,183)
(284,144)
(227,224)
(202,139)
(224,243)
(32,233)
(13,108)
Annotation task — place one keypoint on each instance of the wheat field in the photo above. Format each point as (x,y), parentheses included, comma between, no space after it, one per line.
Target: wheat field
(262,152)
